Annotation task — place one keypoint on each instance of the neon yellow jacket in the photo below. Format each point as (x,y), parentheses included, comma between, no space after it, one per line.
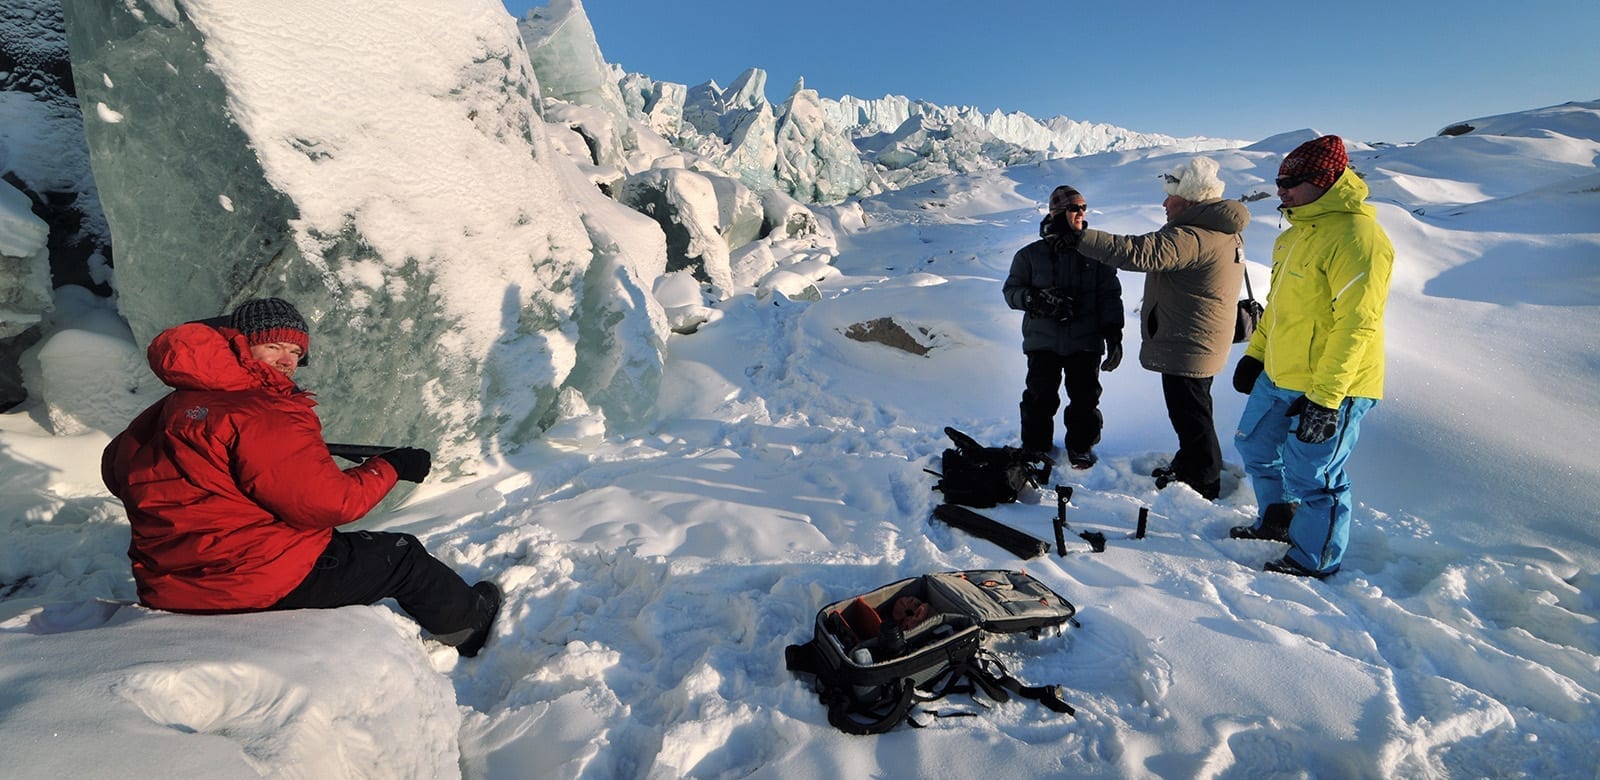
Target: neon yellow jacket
(1322,333)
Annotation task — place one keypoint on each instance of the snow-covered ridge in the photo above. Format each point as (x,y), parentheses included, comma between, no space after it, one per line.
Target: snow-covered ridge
(898,140)
(1057,136)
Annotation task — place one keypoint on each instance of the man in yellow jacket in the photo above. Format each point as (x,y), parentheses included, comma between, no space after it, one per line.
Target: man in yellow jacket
(1314,367)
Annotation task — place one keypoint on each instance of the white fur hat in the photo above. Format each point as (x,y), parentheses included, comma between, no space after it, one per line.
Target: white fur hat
(1195,181)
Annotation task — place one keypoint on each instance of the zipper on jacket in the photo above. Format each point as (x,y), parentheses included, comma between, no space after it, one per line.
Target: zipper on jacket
(1287,254)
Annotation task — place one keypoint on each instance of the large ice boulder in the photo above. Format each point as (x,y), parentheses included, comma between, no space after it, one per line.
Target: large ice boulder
(659,104)
(24,263)
(816,161)
(44,166)
(86,374)
(42,151)
(570,68)
(736,132)
(685,204)
(383,168)
(753,149)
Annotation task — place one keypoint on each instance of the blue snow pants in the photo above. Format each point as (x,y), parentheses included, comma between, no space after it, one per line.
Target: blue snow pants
(1285,470)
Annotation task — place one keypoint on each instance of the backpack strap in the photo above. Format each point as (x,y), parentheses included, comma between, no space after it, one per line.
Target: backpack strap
(891,709)
(1238,257)
(802,659)
(991,675)
(843,711)
(1036,468)
(984,672)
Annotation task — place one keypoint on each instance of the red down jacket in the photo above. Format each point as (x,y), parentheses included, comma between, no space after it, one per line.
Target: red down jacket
(228,485)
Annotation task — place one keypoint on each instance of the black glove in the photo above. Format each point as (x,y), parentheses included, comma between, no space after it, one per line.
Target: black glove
(1246,373)
(1317,423)
(1048,302)
(412,464)
(1033,301)
(1113,351)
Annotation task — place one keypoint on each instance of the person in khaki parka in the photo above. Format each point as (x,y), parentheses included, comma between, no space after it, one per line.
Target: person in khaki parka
(1194,269)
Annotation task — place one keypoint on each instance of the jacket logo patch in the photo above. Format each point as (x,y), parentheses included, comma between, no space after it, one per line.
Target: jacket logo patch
(196,412)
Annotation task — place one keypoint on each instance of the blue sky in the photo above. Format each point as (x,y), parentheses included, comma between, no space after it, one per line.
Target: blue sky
(1373,71)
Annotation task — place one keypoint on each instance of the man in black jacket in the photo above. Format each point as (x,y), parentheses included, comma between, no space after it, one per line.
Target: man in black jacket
(1072,315)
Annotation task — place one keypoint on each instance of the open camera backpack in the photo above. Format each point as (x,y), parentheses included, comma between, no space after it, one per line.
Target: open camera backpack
(974,475)
(873,657)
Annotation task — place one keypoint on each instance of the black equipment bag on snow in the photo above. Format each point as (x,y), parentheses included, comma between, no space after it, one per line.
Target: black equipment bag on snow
(875,656)
(974,475)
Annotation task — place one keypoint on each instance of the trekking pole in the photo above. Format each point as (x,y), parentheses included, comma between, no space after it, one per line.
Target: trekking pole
(1063,495)
(1144,514)
(1096,539)
(357,452)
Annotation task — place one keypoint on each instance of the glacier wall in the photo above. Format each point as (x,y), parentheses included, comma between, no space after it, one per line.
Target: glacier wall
(386,172)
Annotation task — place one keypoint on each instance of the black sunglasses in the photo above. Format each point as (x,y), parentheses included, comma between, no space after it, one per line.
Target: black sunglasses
(1290,182)
(1076,208)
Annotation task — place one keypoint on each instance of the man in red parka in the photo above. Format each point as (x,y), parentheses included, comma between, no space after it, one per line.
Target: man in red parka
(233,497)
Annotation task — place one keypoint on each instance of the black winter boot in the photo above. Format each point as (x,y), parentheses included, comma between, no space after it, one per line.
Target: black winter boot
(1273,526)
(1287,565)
(488,607)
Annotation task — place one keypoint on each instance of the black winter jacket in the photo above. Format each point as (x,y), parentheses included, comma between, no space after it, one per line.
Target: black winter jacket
(1095,291)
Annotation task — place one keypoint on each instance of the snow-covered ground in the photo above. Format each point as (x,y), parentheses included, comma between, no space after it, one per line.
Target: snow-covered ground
(654,576)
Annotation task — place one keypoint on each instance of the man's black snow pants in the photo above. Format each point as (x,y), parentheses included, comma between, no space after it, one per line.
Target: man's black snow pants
(365,567)
(1042,396)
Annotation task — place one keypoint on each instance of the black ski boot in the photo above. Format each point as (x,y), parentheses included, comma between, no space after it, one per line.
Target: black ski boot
(487,608)
(1287,565)
(1273,526)
(1165,476)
